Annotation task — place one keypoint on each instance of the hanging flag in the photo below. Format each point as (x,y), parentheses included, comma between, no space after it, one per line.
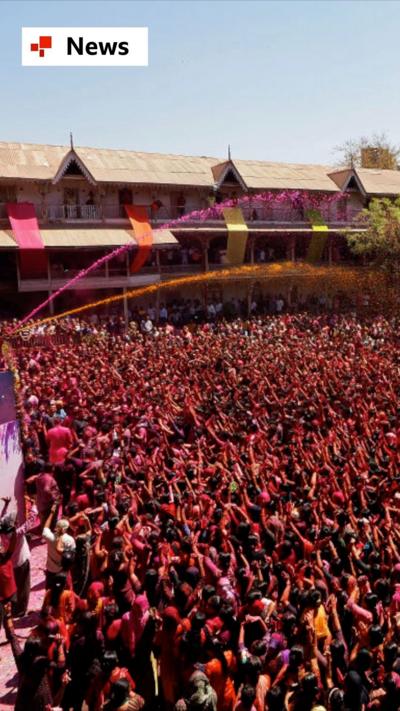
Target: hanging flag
(318,238)
(139,220)
(237,235)
(32,254)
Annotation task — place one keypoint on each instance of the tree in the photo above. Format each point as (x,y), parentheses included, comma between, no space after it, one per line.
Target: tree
(379,238)
(375,152)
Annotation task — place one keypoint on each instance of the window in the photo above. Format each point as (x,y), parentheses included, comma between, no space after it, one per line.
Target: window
(8,193)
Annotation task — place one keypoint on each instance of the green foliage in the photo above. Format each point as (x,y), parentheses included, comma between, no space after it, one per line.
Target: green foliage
(315,217)
(379,239)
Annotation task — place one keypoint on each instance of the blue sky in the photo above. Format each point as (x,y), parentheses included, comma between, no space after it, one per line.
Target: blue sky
(277,80)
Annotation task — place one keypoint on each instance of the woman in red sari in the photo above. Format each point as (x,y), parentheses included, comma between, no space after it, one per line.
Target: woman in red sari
(170,639)
(220,669)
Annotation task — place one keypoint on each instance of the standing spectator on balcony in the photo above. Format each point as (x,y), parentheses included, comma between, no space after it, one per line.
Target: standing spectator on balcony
(163,314)
(262,255)
(184,256)
(280,304)
(195,256)
(211,312)
(155,207)
(219,308)
(151,313)
(253,307)
(322,303)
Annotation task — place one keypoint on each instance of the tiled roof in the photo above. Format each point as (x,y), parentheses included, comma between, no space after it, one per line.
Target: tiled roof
(379,182)
(41,162)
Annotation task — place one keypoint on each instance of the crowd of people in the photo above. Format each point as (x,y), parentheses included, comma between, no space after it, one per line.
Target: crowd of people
(180,312)
(220,506)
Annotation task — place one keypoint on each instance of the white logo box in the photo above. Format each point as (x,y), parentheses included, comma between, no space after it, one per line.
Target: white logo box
(89,47)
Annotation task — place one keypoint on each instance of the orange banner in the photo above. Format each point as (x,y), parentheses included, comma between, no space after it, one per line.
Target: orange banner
(139,220)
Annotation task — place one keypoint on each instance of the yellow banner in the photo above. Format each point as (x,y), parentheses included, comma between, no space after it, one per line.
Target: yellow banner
(237,235)
(319,237)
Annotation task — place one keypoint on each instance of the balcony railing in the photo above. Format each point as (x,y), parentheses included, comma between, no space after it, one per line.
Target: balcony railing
(72,212)
(253,215)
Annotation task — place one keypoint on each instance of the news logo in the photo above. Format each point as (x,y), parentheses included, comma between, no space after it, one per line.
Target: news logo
(84,46)
(43,44)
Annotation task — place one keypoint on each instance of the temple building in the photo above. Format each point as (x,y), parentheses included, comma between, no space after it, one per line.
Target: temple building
(63,207)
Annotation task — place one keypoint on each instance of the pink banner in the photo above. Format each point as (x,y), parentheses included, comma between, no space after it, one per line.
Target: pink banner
(24,224)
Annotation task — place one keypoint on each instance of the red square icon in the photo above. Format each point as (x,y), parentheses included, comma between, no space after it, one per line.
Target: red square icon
(45,42)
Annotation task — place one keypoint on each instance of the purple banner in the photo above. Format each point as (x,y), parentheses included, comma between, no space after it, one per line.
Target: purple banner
(11,462)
